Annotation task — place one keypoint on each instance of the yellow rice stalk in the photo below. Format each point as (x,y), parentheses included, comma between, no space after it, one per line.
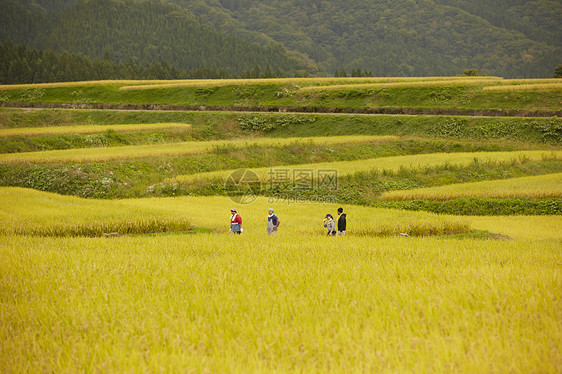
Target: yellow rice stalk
(155,83)
(294,81)
(90,129)
(526,87)
(456,82)
(532,81)
(298,301)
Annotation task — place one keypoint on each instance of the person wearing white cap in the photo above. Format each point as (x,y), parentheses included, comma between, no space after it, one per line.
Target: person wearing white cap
(235,222)
(272,222)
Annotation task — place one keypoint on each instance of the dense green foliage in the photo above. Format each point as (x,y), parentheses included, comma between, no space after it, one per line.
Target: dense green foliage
(479,206)
(383,38)
(506,38)
(19,64)
(538,20)
(558,72)
(141,33)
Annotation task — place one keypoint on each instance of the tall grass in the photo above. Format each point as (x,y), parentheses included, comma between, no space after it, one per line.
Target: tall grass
(40,213)
(31,212)
(536,187)
(294,302)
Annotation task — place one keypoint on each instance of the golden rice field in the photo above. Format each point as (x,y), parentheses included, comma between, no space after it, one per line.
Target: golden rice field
(294,81)
(525,87)
(140,84)
(380,164)
(531,81)
(42,213)
(536,187)
(171,149)
(90,129)
(160,285)
(295,302)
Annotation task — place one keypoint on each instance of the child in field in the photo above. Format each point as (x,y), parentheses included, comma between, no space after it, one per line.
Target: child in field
(235,222)
(330,224)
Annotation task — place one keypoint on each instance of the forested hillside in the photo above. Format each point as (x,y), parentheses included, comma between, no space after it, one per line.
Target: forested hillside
(509,38)
(141,33)
(406,38)
(538,20)
(19,64)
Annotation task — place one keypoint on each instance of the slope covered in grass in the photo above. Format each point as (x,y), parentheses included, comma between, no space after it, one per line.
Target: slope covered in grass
(542,186)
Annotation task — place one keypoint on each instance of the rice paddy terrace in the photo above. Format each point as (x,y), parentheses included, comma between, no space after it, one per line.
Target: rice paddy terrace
(115,202)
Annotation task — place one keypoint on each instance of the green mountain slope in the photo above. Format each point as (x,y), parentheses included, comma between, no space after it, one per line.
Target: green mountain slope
(141,32)
(538,20)
(420,37)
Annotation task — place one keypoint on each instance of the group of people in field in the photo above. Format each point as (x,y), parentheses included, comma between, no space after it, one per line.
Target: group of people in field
(273,222)
(330,224)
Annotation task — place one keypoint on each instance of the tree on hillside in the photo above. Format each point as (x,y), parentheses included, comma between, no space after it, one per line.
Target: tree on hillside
(558,72)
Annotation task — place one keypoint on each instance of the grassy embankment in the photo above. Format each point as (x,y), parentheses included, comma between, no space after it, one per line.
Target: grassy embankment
(173,149)
(391,164)
(363,181)
(426,93)
(501,133)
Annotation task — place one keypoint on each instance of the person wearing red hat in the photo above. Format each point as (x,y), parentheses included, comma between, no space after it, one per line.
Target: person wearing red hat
(235,222)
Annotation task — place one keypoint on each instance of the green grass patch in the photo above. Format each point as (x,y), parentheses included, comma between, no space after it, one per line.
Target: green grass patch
(451,94)
(224,125)
(173,149)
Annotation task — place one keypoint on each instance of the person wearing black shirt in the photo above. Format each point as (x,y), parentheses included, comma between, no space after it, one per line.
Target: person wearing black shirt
(342,223)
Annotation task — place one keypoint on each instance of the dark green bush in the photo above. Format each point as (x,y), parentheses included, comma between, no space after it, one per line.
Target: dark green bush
(475,206)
